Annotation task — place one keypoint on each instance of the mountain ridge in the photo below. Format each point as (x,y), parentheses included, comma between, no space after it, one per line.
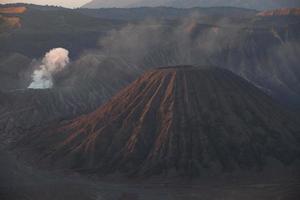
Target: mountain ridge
(252,4)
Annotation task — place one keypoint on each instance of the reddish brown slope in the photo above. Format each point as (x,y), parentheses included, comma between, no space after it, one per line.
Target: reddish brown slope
(183,120)
(280,12)
(11,21)
(13,10)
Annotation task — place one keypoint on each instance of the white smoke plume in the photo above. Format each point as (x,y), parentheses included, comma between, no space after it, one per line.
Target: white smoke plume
(53,62)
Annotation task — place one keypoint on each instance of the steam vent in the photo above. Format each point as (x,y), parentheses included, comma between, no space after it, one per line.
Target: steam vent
(175,120)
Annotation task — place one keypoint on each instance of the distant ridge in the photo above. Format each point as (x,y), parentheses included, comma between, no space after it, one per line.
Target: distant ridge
(251,4)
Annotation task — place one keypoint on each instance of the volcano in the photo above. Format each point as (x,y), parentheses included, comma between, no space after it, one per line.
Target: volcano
(179,120)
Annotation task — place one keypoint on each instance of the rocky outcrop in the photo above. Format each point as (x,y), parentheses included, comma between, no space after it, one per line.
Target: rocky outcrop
(76,93)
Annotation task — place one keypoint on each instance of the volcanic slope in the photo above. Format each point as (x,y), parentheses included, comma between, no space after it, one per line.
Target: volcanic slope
(175,120)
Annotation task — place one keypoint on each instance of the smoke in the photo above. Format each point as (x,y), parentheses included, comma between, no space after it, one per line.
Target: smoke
(155,43)
(148,44)
(125,53)
(53,62)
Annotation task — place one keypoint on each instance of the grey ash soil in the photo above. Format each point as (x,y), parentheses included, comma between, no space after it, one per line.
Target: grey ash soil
(21,181)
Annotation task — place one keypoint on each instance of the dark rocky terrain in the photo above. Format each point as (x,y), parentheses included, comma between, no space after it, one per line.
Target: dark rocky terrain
(22,181)
(14,73)
(28,108)
(175,121)
(44,27)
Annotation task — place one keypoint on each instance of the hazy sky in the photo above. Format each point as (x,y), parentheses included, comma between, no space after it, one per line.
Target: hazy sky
(64,3)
